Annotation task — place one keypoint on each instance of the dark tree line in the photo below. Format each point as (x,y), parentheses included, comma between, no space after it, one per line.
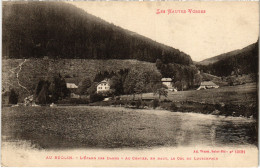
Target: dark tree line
(243,62)
(60,30)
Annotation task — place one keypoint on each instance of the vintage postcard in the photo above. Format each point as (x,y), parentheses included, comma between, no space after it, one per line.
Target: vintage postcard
(129,84)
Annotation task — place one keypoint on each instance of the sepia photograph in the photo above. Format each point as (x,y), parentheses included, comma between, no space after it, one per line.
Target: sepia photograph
(136,84)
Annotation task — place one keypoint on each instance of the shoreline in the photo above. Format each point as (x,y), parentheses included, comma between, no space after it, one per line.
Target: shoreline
(159,109)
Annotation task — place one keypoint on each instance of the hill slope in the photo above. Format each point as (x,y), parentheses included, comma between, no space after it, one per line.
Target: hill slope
(60,30)
(30,71)
(244,61)
(226,55)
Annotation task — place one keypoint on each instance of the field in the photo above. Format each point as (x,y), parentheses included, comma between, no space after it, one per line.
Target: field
(113,127)
(240,95)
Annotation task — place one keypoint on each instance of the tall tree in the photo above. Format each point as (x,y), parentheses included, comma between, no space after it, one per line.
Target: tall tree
(58,88)
(83,86)
(161,90)
(42,92)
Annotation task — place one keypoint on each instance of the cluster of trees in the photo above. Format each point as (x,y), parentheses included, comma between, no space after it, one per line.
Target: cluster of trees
(51,91)
(125,81)
(184,77)
(60,30)
(234,63)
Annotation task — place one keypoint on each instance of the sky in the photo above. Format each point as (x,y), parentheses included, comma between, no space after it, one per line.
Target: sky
(225,26)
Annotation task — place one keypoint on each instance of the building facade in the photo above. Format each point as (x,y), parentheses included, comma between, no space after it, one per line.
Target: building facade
(167,82)
(103,86)
(207,85)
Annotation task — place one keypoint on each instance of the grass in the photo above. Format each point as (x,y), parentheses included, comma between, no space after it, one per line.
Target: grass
(240,95)
(111,127)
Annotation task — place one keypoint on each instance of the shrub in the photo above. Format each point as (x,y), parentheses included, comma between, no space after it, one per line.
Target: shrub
(254,110)
(145,103)
(208,108)
(96,97)
(13,98)
(173,107)
(155,103)
(119,102)
(132,103)
(138,103)
(218,106)
(67,76)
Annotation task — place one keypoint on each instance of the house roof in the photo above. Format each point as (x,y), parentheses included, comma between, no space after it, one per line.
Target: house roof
(166,79)
(208,83)
(105,81)
(71,85)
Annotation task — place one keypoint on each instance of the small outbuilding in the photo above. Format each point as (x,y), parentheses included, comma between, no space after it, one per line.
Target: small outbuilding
(71,86)
(167,82)
(207,85)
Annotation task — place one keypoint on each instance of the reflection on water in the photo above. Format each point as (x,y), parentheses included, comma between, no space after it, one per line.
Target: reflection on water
(218,130)
(236,133)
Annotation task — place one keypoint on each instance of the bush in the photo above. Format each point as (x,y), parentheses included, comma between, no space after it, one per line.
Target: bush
(155,103)
(138,103)
(166,100)
(173,107)
(208,109)
(132,103)
(96,97)
(13,98)
(67,76)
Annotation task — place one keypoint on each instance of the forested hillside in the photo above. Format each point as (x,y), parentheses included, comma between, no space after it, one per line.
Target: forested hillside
(60,30)
(226,55)
(244,61)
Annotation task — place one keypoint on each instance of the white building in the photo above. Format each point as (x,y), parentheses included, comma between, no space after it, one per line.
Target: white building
(103,86)
(167,82)
(207,85)
(71,86)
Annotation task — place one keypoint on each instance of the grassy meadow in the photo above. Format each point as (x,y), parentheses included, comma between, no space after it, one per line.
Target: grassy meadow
(240,95)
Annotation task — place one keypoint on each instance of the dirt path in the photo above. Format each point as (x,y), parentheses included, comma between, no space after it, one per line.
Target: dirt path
(17,75)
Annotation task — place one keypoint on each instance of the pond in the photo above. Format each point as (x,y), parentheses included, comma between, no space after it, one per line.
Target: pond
(114,127)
